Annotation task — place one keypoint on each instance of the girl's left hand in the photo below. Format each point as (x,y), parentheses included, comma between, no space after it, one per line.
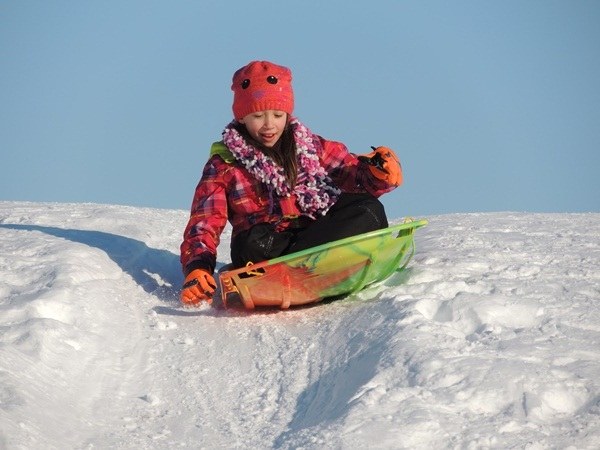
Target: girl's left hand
(384,165)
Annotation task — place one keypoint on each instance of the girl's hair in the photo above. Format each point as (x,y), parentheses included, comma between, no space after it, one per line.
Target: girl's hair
(283,152)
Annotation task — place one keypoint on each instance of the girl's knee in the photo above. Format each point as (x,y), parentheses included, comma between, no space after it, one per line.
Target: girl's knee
(375,212)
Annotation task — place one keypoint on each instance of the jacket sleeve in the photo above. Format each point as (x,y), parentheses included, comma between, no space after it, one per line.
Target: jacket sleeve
(348,173)
(208,218)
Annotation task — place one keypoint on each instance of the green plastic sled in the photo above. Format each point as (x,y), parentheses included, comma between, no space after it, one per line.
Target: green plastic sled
(333,269)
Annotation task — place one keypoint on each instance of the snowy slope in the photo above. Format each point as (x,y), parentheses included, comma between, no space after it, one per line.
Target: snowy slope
(491,338)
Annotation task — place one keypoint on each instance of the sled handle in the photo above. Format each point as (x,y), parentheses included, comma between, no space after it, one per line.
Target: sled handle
(412,253)
(409,232)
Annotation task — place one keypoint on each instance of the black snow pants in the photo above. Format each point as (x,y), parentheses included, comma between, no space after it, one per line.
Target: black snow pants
(352,214)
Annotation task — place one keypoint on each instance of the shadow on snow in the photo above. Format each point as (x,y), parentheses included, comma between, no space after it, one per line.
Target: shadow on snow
(157,271)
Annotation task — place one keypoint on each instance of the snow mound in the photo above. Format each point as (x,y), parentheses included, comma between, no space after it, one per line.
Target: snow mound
(490,339)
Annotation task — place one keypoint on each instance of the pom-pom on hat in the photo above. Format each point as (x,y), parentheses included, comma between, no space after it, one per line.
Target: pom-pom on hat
(262,85)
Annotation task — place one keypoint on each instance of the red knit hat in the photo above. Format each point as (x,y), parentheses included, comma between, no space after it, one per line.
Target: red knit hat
(262,85)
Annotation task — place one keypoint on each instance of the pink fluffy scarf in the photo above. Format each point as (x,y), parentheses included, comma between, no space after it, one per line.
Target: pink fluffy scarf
(314,190)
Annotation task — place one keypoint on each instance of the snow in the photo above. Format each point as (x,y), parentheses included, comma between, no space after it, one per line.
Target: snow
(490,339)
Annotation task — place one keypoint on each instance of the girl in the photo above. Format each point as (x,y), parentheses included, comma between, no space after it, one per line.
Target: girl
(282,188)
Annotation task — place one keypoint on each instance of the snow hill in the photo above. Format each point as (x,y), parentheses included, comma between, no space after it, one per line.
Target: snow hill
(490,339)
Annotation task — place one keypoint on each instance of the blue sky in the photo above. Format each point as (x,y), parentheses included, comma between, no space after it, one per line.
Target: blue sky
(491,106)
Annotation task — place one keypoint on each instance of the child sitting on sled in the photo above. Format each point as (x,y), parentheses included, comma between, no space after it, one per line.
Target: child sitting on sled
(282,188)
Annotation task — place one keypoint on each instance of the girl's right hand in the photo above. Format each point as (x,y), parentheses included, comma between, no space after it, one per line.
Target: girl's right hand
(198,286)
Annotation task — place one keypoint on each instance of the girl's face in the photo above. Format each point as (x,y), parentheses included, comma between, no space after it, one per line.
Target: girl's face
(265,127)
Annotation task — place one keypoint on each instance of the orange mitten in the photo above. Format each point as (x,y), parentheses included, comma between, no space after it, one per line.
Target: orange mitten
(384,165)
(199,286)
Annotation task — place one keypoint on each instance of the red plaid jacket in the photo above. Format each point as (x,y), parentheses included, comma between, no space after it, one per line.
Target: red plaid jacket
(227,191)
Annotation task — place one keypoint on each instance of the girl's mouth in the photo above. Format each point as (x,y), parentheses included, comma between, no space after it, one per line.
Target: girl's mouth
(268,137)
